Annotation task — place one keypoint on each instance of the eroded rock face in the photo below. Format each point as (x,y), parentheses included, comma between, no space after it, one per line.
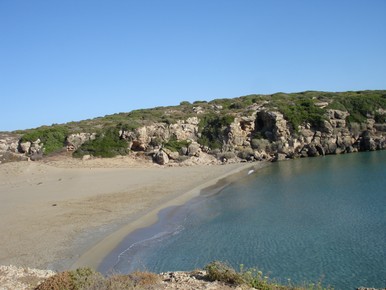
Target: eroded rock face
(333,137)
(185,130)
(153,136)
(272,125)
(240,131)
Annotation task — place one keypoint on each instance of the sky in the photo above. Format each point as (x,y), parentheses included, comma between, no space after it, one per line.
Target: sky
(63,61)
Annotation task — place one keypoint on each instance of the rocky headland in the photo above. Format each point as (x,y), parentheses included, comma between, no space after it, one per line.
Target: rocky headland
(257,127)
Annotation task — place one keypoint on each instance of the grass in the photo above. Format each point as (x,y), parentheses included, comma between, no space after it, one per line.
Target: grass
(175,145)
(252,277)
(88,279)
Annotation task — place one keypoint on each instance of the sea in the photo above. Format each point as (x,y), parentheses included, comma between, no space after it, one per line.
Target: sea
(305,221)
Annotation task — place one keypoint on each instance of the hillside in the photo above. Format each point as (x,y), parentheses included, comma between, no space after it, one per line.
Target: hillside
(254,127)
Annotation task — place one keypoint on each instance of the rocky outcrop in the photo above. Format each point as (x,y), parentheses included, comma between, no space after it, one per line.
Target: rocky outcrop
(12,277)
(263,134)
(74,141)
(333,136)
(9,148)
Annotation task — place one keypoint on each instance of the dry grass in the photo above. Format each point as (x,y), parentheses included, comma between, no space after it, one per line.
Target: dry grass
(87,279)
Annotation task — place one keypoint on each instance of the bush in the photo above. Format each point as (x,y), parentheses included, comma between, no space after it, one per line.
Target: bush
(175,145)
(213,129)
(245,153)
(144,278)
(302,111)
(52,137)
(260,144)
(106,144)
(359,104)
(218,271)
(79,279)
(57,282)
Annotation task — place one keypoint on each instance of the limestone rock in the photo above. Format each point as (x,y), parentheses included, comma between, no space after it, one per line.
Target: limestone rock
(272,125)
(240,131)
(337,114)
(194,149)
(171,154)
(24,147)
(74,141)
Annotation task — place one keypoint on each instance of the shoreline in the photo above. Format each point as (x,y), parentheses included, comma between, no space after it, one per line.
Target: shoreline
(95,256)
(52,213)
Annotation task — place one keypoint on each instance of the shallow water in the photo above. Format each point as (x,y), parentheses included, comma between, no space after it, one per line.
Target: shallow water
(315,219)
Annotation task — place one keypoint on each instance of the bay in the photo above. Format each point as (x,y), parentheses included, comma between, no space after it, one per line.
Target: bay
(309,220)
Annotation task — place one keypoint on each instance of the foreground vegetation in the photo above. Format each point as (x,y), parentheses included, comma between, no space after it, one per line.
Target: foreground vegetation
(87,279)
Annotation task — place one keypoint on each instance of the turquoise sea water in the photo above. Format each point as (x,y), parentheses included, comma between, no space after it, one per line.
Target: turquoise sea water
(314,219)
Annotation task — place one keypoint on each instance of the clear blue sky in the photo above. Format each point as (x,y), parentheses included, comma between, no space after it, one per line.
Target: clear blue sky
(63,61)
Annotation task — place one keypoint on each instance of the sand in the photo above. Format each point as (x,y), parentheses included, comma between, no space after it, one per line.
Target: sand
(69,213)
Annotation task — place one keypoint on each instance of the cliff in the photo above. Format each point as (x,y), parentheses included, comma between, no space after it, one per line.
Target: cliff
(255,127)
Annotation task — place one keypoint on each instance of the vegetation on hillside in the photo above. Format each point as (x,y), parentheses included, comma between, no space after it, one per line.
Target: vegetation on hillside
(212,129)
(175,145)
(52,137)
(106,144)
(215,116)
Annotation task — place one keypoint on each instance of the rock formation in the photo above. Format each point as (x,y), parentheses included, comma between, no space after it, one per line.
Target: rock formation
(260,131)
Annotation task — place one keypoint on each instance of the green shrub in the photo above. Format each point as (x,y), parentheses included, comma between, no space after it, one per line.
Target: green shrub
(359,104)
(176,145)
(106,144)
(260,144)
(219,271)
(302,111)
(213,129)
(52,137)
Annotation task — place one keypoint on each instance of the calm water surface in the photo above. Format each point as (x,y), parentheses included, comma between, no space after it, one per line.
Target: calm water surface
(314,219)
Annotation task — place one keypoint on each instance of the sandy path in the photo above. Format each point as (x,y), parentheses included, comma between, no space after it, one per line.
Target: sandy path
(53,214)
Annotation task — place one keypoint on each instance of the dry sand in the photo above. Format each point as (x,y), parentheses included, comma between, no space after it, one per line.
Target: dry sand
(68,213)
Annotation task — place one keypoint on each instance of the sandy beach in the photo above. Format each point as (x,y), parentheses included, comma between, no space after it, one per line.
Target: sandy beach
(70,213)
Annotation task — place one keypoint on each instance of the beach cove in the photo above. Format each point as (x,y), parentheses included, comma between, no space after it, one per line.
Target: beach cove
(71,213)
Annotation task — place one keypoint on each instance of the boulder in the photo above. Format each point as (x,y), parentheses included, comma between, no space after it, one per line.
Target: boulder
(161,158)
(24,147)
(171,154)
(194,149)
(279,157)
